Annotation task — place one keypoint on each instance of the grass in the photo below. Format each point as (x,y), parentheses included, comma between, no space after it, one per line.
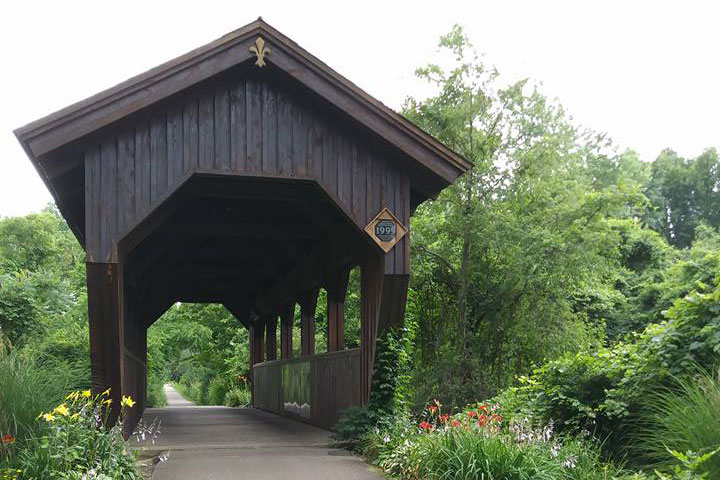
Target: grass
(683,417)
(29,387)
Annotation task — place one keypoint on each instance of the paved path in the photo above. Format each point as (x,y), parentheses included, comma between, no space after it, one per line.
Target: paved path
(219,443)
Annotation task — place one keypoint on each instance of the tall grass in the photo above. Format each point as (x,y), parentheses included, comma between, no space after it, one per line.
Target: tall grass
(683,417)
(29,386)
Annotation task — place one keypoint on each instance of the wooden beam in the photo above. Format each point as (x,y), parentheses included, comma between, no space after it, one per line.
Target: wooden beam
(336,287)
(287,314)
(308,304)
(271,337)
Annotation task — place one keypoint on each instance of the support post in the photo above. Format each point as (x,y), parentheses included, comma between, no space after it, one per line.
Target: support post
(308,304)
(336,291)
(287,314)
(104,290)
(257,347)
(382,306)
(271,337)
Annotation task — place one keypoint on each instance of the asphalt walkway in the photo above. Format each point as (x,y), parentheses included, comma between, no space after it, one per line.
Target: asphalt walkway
(219,443)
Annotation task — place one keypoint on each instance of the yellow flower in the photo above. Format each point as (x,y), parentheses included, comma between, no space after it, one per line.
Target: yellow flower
(49,417)
(62,410)
(105,393)
(127,402)
(74,416)
(86,393)
(107,402)
(73,396)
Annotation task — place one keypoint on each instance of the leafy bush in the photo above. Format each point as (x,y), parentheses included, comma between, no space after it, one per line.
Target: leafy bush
(155,392)
(29,386)
(217,389)
(684,417)
(74,443)
(238,397)
(604,391)
(480,443)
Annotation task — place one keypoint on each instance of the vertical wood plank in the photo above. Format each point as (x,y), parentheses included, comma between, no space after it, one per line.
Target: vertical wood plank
(206,130)
(285,135)
(126,179)
(254,126)
(345,164)
(271,337)
(238,133)
(222,129)
(299,141)
(270,130)
(286,330)
(175,146)
(92,203)
(315,150)
(158,158)
(108,198)
(142,167)
(190,135)
(308,304)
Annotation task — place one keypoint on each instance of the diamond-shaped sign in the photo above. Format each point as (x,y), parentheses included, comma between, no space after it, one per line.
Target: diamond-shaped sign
(386,230)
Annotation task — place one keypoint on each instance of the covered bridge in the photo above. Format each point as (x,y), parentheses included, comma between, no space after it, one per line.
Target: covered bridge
(246,173)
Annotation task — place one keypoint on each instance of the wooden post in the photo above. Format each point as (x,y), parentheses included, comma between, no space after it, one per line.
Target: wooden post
(271,337)
(308,304)
(287,314)
(371,278)
(104,290)
(257,354)
(336,291)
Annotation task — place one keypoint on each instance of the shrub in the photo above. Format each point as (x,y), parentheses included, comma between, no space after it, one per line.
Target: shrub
(29,386)
(684,417)
(480,443)
(72,442)
(217,390)
(155,391)
(238,397)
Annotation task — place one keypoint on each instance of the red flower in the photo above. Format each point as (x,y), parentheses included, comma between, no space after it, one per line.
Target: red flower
(426,426)
(496,417)
(483,407)
(472,414)
(432,408)
(444,417)
(7,439)
(483,420)
(455,423)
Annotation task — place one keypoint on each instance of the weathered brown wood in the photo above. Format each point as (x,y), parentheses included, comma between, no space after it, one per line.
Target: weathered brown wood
(271,337)
(287,313)
(308,304)
(336,288)
(211,180)
(104,284)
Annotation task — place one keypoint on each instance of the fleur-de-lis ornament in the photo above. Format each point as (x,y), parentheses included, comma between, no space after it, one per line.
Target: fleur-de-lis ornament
(260,50)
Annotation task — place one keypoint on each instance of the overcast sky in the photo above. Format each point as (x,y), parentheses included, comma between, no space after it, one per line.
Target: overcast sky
(646,72)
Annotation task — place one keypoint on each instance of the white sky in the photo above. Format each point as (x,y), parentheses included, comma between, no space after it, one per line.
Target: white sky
(646,72)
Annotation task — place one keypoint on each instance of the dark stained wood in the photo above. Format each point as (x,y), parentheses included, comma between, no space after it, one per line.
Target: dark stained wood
(208,179)
(104,284)
(271,337)
(308,304)
(336,288)
(287,313)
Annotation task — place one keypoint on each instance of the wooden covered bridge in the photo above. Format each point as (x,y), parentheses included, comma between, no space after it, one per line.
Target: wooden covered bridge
(246,173)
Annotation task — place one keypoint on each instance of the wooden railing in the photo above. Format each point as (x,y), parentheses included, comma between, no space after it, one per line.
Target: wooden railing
(315,388)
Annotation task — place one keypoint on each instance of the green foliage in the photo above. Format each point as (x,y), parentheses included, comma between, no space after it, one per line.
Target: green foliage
(72,444)
(29,386)
(217,389)
(238,397)
(684,194)
(471,444)
(683,417)
(155,392)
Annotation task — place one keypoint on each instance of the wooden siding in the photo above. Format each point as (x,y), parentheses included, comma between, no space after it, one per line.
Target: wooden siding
(240,126)
(334,385)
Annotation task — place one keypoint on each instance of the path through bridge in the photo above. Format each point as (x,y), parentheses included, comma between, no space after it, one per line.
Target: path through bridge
(221,443)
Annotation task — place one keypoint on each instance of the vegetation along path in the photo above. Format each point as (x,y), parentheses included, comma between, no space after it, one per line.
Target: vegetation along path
(229,443)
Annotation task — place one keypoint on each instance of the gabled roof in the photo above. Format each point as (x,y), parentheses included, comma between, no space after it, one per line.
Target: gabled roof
(43,138)
(86,116)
